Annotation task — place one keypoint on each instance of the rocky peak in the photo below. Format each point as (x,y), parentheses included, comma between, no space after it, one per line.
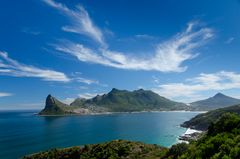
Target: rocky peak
(219,95)
(50,100)
(114,90)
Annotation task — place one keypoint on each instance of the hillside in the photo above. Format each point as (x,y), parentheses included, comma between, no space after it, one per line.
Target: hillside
(220,142)
(55,107)
(202,121)
(217,101)
(117,149)
(114,101)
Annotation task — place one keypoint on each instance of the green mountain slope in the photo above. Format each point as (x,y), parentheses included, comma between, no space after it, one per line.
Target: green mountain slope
(202,121)
(218,101)
(125,101)
(222,140)
(55,107)
(114,101)
(117,149)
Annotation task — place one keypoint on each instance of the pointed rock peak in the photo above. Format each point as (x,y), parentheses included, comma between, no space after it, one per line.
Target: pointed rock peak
(49,96)
(114,90)
(219,95)
(50,100)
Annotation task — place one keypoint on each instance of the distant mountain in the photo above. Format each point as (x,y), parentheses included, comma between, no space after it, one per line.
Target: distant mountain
(54,107)
(202,121)
(218,101)
(114,101)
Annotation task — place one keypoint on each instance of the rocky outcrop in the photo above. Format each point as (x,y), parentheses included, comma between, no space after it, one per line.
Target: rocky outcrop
(55,107)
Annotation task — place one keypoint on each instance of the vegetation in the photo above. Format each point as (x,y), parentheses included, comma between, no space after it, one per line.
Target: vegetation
(117,149)
(55,107)
(114,101)
(222,141)
(202,121)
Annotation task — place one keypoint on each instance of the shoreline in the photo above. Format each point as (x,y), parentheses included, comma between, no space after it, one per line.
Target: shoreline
(134,112)
(190,134)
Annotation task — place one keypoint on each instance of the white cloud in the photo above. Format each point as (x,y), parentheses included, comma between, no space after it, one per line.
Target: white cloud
(12,67)
(194,87)
(155,79)
(68,100)
(81,21)
(4,94)
(86,81)
(89,95)
(76,76)
(168,56)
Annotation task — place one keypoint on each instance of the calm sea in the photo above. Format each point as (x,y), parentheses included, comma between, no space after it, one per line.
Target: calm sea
(22,132)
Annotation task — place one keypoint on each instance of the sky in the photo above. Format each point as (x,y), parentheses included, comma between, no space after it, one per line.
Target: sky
(183,50)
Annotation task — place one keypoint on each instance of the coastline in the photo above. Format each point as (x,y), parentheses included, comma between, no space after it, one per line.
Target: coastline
(190,134)
(109,113)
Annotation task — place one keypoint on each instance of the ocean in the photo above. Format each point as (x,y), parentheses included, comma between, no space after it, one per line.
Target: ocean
(23,132)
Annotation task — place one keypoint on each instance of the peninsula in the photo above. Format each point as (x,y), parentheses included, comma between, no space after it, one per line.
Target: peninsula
(114,101)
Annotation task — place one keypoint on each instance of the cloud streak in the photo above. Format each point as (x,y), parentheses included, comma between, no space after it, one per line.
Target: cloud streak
(81,21)
(4,94)
(168,56)
(192,88)
(89,95)
(230,40)
(12,67)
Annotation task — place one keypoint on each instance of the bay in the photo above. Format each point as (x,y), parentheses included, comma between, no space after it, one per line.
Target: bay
(22,132)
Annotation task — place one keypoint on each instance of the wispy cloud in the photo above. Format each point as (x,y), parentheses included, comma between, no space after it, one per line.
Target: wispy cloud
(89,95)
(30,31)
(12,67)
(4,94)
(86,81)
(194,87)
(68,100)
(155,79)
(76,76)
(168,56)
(145,36)
(81,21)
(230,40)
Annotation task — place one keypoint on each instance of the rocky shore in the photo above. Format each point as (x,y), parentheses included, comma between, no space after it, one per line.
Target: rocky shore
(190,135)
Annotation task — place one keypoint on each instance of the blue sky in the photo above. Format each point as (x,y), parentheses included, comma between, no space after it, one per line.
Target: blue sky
(184,51)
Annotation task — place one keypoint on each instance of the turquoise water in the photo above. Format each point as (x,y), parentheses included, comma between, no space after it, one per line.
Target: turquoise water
(22,132)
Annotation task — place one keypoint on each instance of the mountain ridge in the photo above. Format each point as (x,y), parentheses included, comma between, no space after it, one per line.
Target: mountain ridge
(132,101)
(114,101)
(219,100)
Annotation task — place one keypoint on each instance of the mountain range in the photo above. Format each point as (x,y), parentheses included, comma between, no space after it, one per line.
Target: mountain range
(114,101)
(132,101)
